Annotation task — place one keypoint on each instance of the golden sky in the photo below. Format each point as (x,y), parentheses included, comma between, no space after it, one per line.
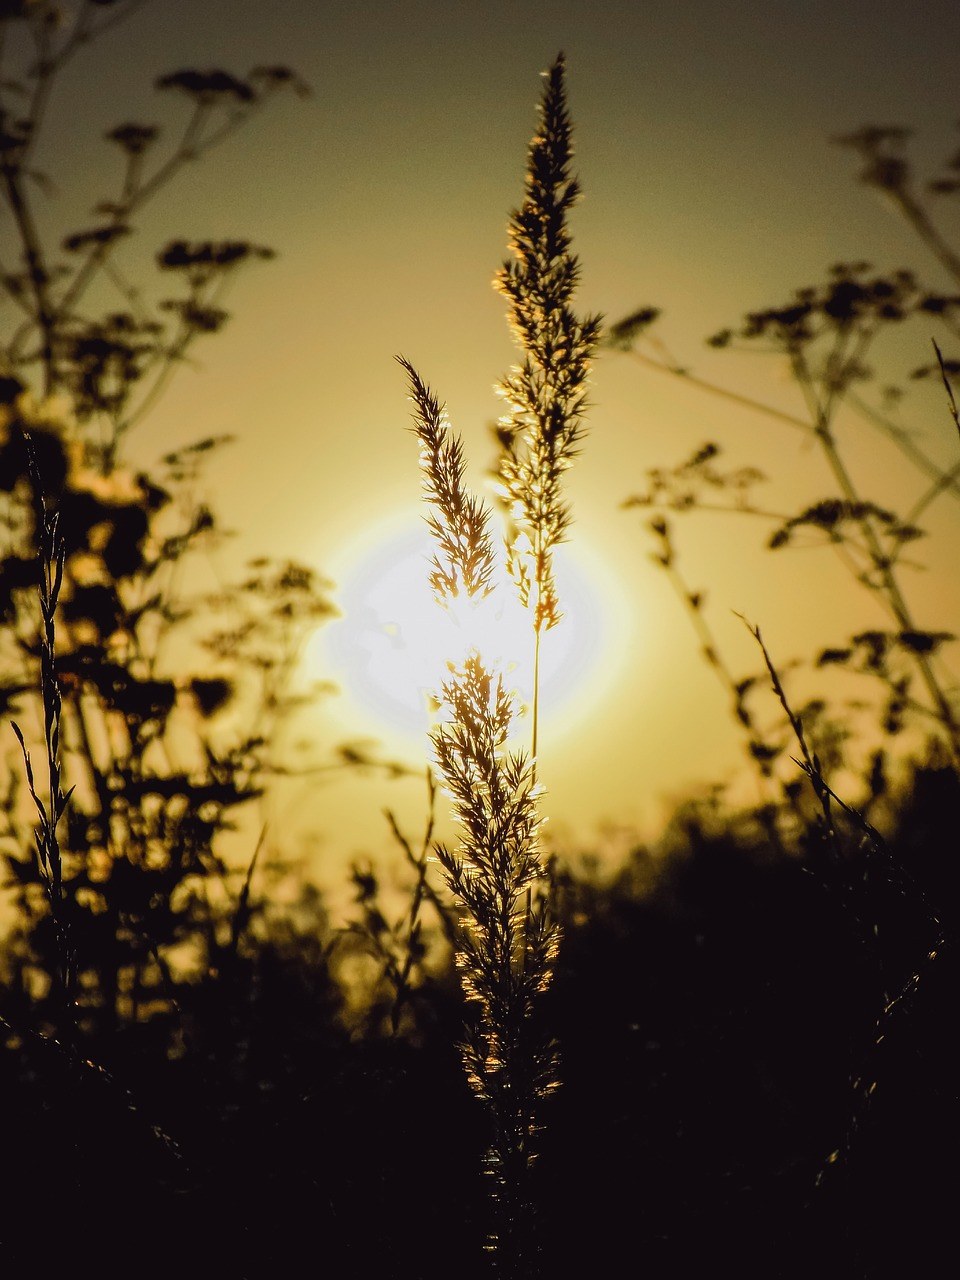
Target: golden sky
(710,188)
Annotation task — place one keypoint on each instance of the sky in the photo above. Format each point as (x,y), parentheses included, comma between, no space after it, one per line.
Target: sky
(702,135)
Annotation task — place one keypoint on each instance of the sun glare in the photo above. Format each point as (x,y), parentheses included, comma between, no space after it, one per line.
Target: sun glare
(391,648)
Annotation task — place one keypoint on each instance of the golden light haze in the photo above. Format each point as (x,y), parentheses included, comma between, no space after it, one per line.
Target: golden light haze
(394,643)
(702,144)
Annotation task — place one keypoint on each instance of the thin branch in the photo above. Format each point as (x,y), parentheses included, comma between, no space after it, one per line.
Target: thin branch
(946,382)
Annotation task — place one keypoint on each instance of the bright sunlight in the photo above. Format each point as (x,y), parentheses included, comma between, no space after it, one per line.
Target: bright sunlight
(391,647)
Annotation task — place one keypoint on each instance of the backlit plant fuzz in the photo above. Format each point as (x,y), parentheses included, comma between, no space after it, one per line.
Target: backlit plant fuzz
(508,940)
(508,946)
(458,520)
(546,394)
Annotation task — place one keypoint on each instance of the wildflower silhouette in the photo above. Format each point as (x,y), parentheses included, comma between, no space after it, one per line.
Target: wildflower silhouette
(510,938)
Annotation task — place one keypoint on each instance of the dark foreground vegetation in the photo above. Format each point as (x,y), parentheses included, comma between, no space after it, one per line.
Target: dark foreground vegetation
(200,1073)
(724,1097)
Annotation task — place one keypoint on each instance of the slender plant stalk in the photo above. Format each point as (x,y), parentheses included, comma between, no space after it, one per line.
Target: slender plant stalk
(507,949)
(506,946)
(873,849)
(951,398)
(919,219)
(758,753)
(546,394)
(50,552)
(535,714)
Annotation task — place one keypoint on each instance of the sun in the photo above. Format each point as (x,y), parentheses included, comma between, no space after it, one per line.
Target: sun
(393,644)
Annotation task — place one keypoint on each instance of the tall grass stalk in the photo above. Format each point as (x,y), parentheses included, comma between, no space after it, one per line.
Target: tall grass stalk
(540,436)
(507,950)
(50,556)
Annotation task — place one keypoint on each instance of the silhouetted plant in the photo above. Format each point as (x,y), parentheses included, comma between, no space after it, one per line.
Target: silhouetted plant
(162,748)
(507,950)
(886,167)
(407,952)
(825,333)
(505,947)
(712,1000)
(897,910)
(881,894)
(49,865)
(546,394)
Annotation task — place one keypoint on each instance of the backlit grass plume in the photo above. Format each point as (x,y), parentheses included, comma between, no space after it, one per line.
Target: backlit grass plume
(508,946)
(540,436)
(507,942)
(509,938)
(458,520)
